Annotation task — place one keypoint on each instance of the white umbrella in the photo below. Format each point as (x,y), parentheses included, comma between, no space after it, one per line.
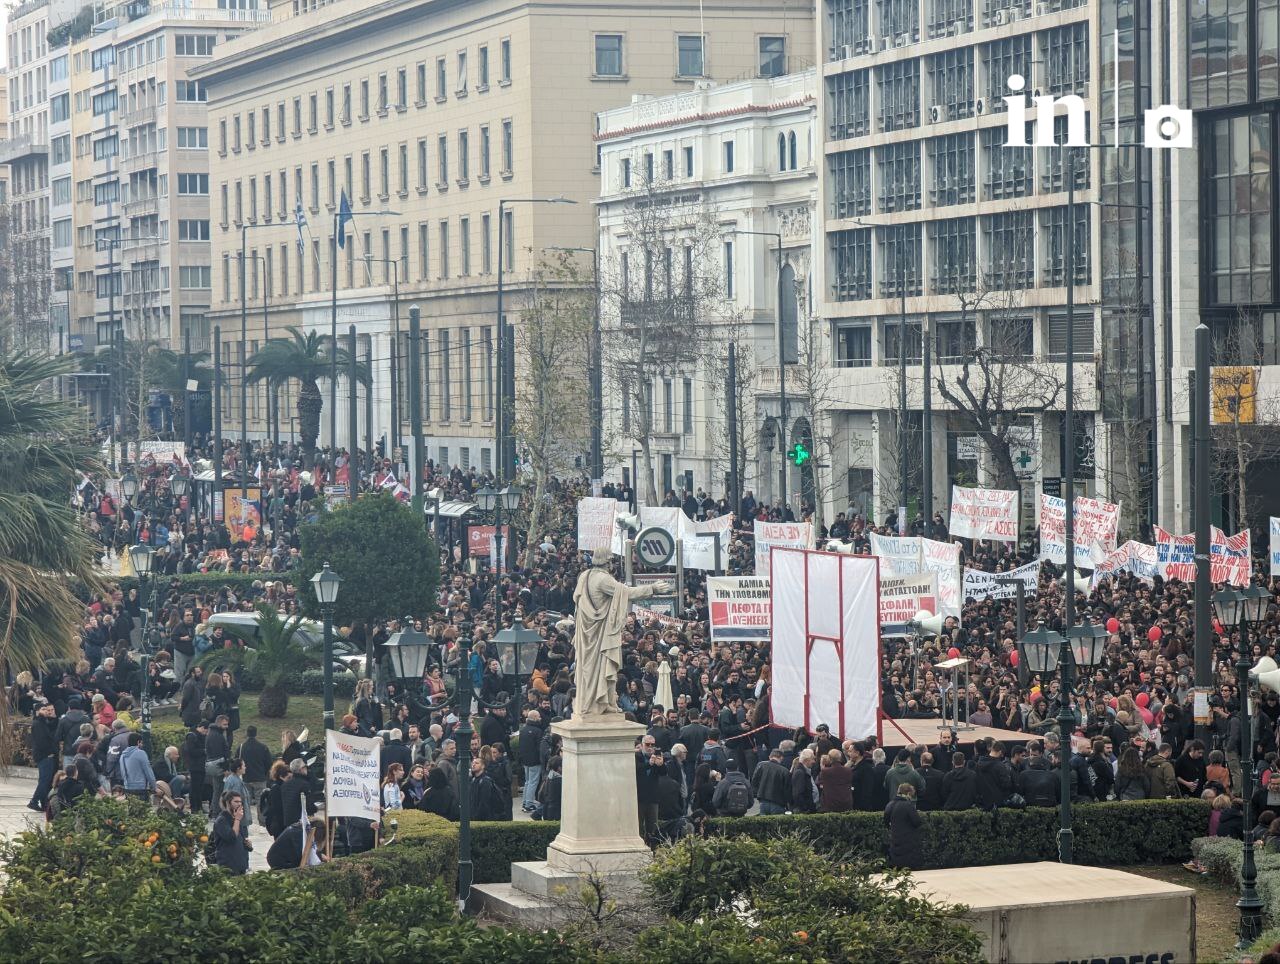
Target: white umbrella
(664,697)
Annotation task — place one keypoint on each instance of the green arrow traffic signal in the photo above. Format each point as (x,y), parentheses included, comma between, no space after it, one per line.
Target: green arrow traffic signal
(799,454)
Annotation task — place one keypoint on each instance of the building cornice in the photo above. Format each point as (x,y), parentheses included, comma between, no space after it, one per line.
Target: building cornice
(702,117)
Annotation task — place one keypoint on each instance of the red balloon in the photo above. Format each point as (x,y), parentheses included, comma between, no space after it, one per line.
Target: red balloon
(1113,625)
(1154,634)
(1112,702)
(953,653)
(1013,658)
(1143,700)
(1147,716)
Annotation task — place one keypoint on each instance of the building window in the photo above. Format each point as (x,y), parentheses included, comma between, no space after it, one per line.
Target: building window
(442,80)
(364,99)
(346,104)
(687,407)
(1054,231)
(899,251)
(188,91)
(424,252)
(444,250)
(728,157)
(1012,338)
(464,245)
(728,270)
(1082,335)
(608,55)
(446,373)
(898,166)
(1004,59)
(898,84)
(422,84)
(1065,52)
(894,341)
(505,59)
(948,18)
(1238,246)
(951,171)
(954,256)
(1010,250)
(951,84)
(773,56)
(1220,53)
(689,56)
(462,73)
(403,180)
(442,162)
(849,104)
(688,162)
(1009,169)
(850,183)
(484,152)
(464,157)
(625,173)
(466,376)
(486,244)
(482,68)
(1055,161)
(384,173)
(402,89)
(853,346)
(193,184)
(509,231)
(508,148)
(849,23)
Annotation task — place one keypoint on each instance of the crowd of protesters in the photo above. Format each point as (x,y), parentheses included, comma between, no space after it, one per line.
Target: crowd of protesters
(713,752)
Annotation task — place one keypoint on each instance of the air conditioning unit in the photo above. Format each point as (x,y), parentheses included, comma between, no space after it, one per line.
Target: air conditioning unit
(979,106)
(846,51)
(1014,14)
(936,114)
(901,40)
(886,43)
(1084,90)
(1000,18)
(1042,9)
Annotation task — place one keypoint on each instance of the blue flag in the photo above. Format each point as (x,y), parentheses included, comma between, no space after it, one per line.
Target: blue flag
(344,215)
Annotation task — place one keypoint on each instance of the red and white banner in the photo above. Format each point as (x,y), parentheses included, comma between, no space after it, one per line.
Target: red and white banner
(984,514)
(1095,527)
(826,641)
(1134,557)
(1229,556)
(779,535)
(740,608)
(480,539)
(901,597)
(943,560)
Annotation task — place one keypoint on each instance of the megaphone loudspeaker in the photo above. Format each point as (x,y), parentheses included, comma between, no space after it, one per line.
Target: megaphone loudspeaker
(927,623)
(1082,583)
(1265,665)
(1270,680)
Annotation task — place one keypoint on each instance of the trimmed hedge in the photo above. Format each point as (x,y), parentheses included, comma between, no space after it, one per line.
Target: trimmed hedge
(1220,856)
(1114,833)
(1117,832)
(189,582)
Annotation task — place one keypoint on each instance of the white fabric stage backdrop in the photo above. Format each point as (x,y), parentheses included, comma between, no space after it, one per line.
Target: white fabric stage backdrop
(826,641)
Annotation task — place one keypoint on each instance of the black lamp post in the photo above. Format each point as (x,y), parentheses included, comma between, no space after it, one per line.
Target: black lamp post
(129,485)
(491,500)
(1046,652)
(1245,609)
(141,557)
(409,650)
(462,740)
(326,583)
(178,485)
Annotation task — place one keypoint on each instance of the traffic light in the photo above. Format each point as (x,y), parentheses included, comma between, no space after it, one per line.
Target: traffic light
(799,454)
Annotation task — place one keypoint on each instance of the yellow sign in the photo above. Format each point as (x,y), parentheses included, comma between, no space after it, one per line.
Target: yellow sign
(1233,390)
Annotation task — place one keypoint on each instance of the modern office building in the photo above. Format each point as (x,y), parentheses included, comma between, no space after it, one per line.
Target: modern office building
(439,120)
(938,230)
(734,166)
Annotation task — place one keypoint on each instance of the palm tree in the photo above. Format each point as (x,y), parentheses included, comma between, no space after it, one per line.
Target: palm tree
(42,544)
(272,653)
(304,358)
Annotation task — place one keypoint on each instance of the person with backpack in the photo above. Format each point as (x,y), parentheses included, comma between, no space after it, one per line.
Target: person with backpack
(733,793)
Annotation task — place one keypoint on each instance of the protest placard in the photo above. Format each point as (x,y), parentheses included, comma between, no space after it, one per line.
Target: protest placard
(352,768)
(1095,526)
(984,514)
(985,585)
(739,608)
(791,535)
(901,597)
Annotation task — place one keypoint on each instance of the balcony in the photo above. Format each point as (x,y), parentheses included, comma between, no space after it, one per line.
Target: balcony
(146,114)
(15,149)
(139,205)
(141,160)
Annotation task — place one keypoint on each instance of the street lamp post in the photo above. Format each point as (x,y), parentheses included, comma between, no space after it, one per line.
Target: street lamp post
(1245,609)
(493,501)
(129,485)
(462,740)
(1045,651)
(500,347)
(326,583)
(178,485)
(141,556)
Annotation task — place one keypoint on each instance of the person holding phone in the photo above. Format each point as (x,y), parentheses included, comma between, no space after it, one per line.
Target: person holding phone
(230,835)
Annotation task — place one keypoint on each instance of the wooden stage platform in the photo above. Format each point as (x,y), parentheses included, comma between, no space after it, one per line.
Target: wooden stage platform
(899,733)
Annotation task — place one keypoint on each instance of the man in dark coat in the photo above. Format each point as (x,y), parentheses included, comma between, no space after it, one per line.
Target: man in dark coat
(44,753)
(959,786)
(193,754)
(530,756)
(771,785)
(865,789)
(995,779)
(1040,786)
(295,793)
(903,821)
(932,797)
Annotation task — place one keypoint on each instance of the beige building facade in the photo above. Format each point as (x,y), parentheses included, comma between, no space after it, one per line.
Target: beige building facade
(439,112)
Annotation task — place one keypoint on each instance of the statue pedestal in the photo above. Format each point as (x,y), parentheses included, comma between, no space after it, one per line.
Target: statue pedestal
(599,817)
(599,826)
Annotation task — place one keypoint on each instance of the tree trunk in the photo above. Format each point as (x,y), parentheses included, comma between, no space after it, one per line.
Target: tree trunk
(1242,511)
(535,513)
(1006,477)
(273,702)
(310,405)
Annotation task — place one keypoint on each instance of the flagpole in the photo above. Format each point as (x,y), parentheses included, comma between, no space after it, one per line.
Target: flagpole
(333,329)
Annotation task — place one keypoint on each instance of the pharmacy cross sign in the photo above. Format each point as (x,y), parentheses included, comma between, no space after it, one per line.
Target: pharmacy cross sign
(1023,459)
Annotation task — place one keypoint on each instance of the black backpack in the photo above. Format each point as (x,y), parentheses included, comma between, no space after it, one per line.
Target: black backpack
(737,799)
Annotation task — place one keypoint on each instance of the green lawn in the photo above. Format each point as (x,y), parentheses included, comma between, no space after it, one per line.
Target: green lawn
(304,711)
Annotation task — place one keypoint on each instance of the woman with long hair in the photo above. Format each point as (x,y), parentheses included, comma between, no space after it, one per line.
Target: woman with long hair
(290,748)
(392,797)
(1133,780)
(414,786)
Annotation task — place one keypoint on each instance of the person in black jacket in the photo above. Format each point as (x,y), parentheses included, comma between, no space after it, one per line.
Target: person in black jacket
(650,765)
(552,787)
(1040,786)
(494,728)
(932,797)
(1101,776)
(995,779)
(68,729)
(486,798)
(271,804)
(959,786)
(44,753)
(530,752)
(804,792)
(771,785)
(879,770)
(440,798)
(192,697)
(193,755)
(286,853)
(866,788)
(903,821)
(257,766)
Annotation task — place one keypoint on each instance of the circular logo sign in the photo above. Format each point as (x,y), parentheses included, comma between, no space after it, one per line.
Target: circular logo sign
(655,547)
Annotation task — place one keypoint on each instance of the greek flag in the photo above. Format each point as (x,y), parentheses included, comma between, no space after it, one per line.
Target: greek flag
(344,215)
